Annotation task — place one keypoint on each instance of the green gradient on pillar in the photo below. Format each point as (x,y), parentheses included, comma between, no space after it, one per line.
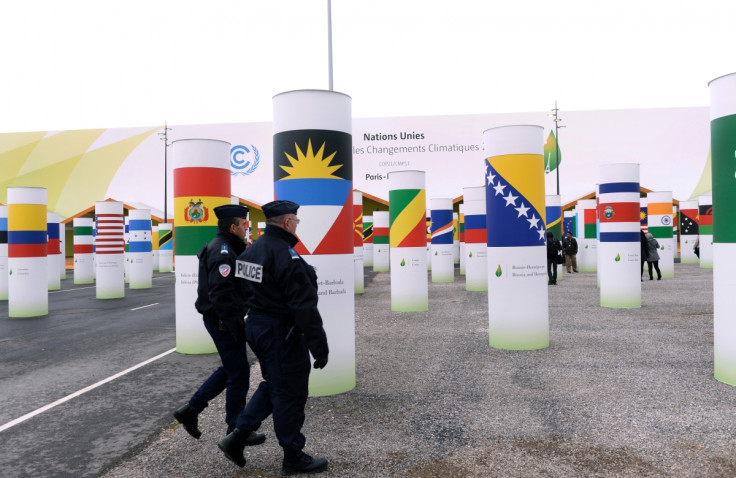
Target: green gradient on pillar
(723,154)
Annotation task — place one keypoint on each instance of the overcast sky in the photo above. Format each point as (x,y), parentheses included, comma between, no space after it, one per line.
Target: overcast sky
(72,64)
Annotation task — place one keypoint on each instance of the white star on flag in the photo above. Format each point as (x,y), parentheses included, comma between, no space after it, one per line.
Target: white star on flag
(499,188)
(511,199)
(522,210)
(533,221)
(541,233)
(490,177)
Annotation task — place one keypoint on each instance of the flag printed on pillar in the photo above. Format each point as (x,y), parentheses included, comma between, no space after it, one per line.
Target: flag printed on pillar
(358,241)
(139,249)
(165,247)
(569,223)
(201,183)
(83,250)
(455,238)
(367,241)
(519,219)
(643,215)
(705,228)
(109,250)
(53,251)
(516,238)
(723,220)
(443,263)
(688,231)
(587,236)
(620,236)
(428,217)
(28,294)
(3,252)
(407,238)
(476,249)
(380,241)
(659,211)
(461,236)
(313,168)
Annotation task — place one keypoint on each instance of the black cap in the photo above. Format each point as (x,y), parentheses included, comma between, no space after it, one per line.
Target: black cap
(279,208)
(231,210)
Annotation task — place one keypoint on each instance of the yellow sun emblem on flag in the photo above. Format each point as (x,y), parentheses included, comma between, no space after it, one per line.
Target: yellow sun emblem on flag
(310,165)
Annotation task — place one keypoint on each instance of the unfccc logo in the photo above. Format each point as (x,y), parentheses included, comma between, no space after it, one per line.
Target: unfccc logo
(243,160)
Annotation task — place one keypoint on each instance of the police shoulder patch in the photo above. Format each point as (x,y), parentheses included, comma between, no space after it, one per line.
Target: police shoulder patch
(224,270)
(223,249)
(293,253)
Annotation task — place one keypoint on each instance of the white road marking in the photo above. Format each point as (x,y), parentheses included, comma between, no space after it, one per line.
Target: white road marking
(80,392)
(144,306)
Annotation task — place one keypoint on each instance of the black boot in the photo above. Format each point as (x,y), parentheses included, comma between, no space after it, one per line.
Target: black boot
(300,462)
(232,446)
(188,418)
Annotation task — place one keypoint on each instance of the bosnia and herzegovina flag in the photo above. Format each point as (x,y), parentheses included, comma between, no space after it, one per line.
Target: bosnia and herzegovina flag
(515,202)
(689,221)
(314,168)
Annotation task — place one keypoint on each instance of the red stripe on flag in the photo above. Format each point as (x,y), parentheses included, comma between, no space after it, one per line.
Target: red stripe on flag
(83,249)
(380,231)
(201,182)
(54,247)
(416,237)
(475,236)
(588,216)
(622,212)
(27,250)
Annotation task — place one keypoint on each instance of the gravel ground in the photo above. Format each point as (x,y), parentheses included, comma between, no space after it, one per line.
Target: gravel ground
(626,393)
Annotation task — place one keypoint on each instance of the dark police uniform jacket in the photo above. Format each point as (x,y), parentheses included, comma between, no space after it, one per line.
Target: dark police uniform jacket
(280,284)
(218,299)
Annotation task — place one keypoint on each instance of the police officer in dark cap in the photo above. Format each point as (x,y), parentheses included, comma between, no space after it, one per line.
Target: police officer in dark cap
(283,326)
(223,311)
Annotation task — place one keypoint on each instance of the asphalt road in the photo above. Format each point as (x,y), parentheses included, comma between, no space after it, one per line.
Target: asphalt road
(80,342)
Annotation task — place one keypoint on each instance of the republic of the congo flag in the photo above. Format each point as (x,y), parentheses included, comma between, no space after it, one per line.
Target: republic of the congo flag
(313,167)
(407,205)
(723,220)
(201,183)
(518,314)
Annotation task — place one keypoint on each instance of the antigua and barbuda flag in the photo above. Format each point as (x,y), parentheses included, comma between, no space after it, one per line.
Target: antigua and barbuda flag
(313,168)
(516,203)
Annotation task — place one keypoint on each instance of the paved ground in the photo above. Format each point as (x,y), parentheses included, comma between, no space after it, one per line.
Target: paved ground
(618,393)
(82,341)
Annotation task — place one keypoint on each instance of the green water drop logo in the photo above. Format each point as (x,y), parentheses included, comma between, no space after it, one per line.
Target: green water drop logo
(10,272)
(685,242)
(499,271)
(403,262)
(618,257)
(435,253)
(662,247)
(586,246)
(470,254)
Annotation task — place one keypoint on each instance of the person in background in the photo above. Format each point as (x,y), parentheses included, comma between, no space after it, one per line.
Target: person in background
(653,256)
(644,251)
(553,253)
(570,250)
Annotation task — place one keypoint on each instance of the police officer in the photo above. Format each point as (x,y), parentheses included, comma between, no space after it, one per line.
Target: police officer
(282,327)
(222,310)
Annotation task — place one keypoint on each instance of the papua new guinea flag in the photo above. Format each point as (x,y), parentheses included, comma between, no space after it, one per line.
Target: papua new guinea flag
(515,203)
(689,221)
(314,168)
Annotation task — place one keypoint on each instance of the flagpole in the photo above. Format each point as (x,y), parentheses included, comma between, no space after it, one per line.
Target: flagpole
(329,41)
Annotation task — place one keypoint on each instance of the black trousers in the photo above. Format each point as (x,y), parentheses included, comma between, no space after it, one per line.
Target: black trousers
(656,267)
(552,270)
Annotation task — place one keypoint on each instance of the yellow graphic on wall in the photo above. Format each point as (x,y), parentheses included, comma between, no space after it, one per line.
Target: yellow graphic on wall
(74,175)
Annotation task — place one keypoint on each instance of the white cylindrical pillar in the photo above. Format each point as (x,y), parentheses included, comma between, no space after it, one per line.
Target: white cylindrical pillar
(518,311)
(110,250)
(83,250)
(443,262)
(139,249)
(380,241)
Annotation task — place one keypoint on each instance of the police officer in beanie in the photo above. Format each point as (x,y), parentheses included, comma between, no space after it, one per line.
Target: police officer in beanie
(223,311)
(283,326)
